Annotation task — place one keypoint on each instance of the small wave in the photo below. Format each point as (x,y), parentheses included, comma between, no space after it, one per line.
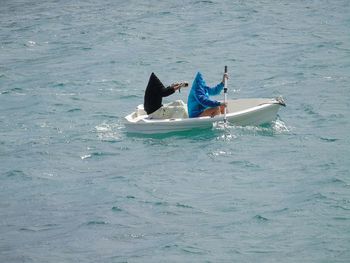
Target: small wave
(168,246)
(184,206)
(339,218)
(227,136)
(279,126)
(30,43)
(165,13)
(309,109)
(14,173)
(194,250)
(328,139)
(13,91)
(231,132)
(339,181)
(327,166)
(169,213)
(137,236)
(160,203)
(76,98)
(281,210)
(74,110)
(59,85)
(204,2)
(167,204)
(98,154)
(228,130)
(65,94)
(221,153)
(116,209)
(27,229)
(316,197)
(95,222)
(244,163)
(118,177)
(83,157)
(108,132)
(341,207)
(17,174)
(39,228)
(260,218)
(253,130)
(156,203)
(181,62)
(5,92)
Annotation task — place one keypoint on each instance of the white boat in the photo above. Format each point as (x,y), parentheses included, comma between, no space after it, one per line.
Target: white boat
(240,112)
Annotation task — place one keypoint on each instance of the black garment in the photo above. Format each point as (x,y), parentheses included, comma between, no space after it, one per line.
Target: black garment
(155,91)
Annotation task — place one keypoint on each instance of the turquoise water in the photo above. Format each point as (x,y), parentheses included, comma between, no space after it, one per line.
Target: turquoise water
(75,187)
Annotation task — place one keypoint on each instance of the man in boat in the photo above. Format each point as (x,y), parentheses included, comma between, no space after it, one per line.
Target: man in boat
(154,93)
(199,103)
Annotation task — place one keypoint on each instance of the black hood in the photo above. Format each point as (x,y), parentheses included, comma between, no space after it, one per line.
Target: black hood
(154,84)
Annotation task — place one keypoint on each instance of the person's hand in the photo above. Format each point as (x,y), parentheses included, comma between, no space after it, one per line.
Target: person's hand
(225,76)
(184,84)
(179,85)
(175,86)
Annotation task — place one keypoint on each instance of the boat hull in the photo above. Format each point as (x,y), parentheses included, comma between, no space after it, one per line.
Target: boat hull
(243,112)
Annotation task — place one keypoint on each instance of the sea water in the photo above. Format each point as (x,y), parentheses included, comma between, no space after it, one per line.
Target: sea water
(76,187)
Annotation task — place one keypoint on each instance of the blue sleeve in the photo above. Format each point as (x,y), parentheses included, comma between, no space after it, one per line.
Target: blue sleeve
(202,98)
(216,90)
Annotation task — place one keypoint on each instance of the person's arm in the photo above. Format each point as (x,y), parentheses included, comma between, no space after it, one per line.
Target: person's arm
(203,99)
(172,88)
(167,91)
(218,88)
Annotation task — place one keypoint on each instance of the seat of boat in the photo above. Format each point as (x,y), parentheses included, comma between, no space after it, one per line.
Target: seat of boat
(174,110)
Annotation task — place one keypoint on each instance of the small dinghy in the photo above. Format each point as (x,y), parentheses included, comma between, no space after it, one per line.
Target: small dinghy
(240,112)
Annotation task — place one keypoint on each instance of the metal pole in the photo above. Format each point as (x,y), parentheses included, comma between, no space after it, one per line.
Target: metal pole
(225,96)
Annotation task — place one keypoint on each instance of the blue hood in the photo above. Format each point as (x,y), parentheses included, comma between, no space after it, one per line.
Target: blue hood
(199,81)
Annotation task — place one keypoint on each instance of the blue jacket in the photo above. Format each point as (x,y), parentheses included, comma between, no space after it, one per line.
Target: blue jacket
(198,99)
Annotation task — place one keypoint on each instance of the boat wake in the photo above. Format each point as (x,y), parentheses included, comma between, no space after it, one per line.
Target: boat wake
(109,132)
(231,132)
(280,127)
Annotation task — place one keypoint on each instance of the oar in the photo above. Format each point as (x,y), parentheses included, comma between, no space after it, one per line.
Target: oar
(225,97)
